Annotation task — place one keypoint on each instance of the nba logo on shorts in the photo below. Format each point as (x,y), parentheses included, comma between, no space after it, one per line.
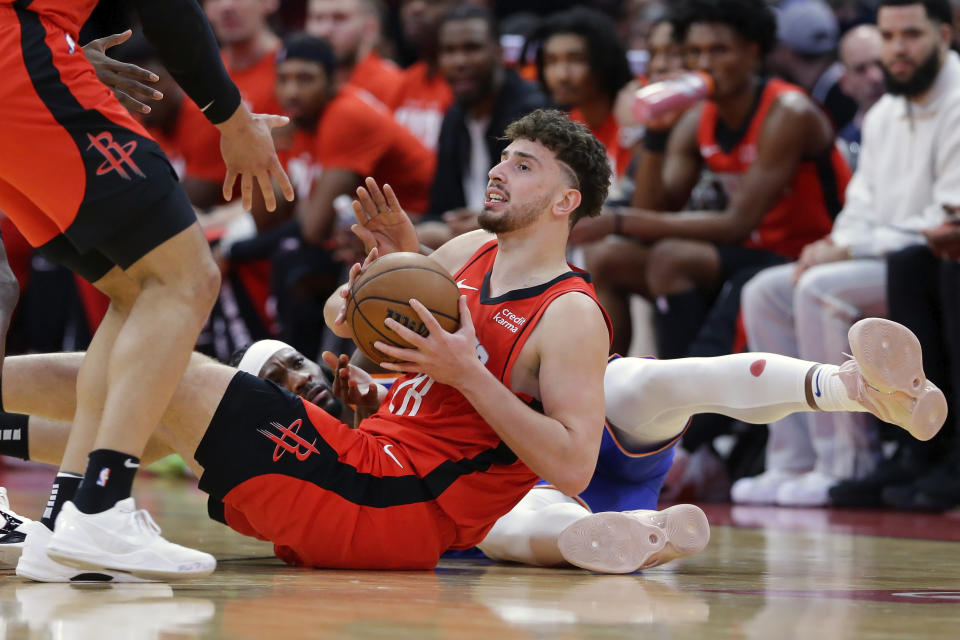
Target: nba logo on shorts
(104,476)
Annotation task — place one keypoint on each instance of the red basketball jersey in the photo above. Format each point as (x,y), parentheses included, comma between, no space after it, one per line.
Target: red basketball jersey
(69,15)
(475,477)
(814,197)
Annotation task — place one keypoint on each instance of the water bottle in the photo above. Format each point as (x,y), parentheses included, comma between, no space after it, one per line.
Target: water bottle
(673,94)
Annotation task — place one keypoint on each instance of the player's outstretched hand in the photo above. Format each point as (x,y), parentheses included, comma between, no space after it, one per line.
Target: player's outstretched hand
(351,384)
(247,149)
(448,358)
(124,79)
(381,221)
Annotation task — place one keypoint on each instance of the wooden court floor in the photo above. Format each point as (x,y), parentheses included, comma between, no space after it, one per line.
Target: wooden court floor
(768,573)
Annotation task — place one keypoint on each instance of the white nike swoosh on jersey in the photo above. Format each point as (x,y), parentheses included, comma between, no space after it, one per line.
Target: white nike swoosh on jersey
(386,450)
(461,285)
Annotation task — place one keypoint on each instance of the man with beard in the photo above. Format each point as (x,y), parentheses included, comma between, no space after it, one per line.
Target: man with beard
(488,96)
(909,169)
(353,27)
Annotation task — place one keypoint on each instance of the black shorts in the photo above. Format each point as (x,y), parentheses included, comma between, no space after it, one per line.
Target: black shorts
(75,162)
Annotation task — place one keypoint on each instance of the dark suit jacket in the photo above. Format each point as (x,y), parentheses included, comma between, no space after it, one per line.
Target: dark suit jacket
(517,98)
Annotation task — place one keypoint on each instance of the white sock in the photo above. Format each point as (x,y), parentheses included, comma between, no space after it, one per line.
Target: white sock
(829,393)
(528,533)
(650,401)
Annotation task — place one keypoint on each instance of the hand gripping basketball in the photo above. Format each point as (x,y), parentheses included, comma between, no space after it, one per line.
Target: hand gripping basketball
(384,288)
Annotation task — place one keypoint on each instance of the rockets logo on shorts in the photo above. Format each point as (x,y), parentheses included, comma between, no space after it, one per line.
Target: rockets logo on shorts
(295,445)
(115,155)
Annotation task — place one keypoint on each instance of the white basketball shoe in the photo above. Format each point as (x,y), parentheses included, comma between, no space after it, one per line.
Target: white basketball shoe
(123,539)
(12,532)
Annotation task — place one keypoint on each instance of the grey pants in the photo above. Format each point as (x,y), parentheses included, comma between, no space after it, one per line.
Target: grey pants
(810,320)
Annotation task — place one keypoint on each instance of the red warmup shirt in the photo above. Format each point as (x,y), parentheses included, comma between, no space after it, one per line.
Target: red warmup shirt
(815,195)
(358,133)
(380,77)
(619,152)
(422,100)
(474,475)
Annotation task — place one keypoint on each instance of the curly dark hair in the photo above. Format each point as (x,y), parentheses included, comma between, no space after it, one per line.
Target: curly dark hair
(607,55)
(574,146)
(752,20)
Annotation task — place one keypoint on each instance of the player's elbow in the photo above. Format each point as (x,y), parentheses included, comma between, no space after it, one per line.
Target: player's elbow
(573,481)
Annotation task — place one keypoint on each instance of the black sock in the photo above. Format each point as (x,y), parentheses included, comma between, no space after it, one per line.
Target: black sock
(63,489)
(13,435)
(108,480)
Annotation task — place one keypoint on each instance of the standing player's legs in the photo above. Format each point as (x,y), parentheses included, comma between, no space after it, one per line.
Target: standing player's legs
(113,193)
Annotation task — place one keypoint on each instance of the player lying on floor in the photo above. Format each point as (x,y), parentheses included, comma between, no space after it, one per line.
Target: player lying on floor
(546,527)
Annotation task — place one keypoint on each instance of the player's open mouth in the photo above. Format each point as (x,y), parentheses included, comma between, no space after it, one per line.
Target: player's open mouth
(495,196)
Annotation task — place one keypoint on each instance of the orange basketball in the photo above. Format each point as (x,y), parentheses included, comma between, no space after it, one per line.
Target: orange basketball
(383,290)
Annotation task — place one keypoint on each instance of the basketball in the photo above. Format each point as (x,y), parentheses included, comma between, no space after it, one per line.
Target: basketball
(383,290)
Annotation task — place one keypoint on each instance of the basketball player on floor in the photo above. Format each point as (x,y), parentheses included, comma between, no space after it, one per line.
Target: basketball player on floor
(89,189)
(280,468)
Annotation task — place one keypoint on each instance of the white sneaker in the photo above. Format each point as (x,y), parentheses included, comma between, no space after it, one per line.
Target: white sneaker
(12,532)
(36,565)
(761,489)
(123,539)
(627,541)
(886,377)
(809,490)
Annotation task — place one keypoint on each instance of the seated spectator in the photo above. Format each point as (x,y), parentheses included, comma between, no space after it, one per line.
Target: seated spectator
(353,28)
(582,64)
(908,170)
(424,95)
(488,98)
(772,149)
(861,51)
(923,291)
(806,55)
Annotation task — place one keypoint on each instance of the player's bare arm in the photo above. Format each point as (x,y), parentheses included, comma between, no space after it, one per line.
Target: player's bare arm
(316,214)
(794,131)
(664,181)
(566,375)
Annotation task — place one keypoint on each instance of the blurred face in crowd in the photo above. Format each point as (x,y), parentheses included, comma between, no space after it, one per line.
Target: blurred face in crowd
(914,47)
(470,58)
(718,50)
(302,89)
(861,52)
(666,54)
(566,70)
(346,24)
(237,21)
(419,19)
(290,369)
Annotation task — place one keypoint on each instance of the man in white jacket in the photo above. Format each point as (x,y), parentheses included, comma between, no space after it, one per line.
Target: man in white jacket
(909,168)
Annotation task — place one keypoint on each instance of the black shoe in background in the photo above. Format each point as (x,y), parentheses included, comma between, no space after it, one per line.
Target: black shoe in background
(937,490)
(867,492)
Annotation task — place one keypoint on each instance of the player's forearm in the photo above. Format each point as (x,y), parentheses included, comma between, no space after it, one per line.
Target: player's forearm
(544,444)
(188,49)
(709,226)
(648,178)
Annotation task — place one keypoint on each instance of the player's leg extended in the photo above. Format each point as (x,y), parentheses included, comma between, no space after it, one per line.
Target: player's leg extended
(649,401)
(9,293)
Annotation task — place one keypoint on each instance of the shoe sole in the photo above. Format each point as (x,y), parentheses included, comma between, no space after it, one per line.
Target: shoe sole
(10,554)
(610,542)
(687,531)
(891,360)
(94,564)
